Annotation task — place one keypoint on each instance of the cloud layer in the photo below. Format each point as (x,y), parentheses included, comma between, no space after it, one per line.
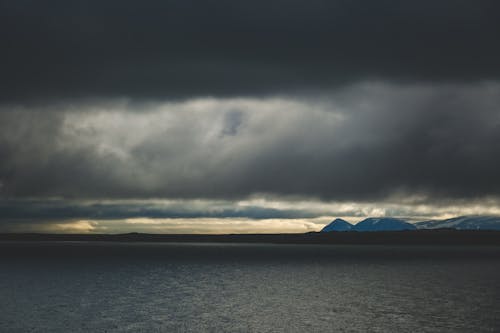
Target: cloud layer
(183,49)
(368,141)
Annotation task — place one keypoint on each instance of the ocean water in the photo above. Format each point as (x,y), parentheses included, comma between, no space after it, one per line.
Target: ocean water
(153,287)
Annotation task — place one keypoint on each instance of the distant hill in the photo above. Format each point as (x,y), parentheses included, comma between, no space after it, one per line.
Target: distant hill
(337,225)
(463,223)
(369,224)
(383,224)
(475,222)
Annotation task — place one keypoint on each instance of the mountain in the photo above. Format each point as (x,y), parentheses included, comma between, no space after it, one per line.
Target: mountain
(337,225)
(392,224)
(383,224)
(463,223)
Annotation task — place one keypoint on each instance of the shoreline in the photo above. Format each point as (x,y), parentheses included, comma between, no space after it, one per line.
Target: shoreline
(416,237)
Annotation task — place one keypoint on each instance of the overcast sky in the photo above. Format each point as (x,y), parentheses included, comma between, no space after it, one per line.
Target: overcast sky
(246,116)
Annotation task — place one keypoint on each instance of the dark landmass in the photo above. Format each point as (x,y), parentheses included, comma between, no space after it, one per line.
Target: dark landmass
(413,237)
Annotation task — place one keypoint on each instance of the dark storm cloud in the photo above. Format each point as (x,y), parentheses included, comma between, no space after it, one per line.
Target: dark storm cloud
(370,141)
(372,102)
(54,210)
(180,49)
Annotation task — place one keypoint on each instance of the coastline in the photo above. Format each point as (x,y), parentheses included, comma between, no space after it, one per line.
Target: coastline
(416,237)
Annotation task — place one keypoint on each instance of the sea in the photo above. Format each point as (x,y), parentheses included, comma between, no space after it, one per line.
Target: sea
(216,287)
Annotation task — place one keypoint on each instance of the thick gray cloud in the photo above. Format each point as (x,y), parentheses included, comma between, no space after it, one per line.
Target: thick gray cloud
(369,141)
(54,210)
(372,102)
(180,49)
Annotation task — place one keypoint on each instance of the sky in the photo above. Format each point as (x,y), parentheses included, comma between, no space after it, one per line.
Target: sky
(191,116)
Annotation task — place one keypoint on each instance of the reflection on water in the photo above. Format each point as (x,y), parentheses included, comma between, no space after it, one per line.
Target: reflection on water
(106,287)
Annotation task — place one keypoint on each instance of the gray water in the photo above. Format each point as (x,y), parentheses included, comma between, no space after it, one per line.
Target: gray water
(116,287)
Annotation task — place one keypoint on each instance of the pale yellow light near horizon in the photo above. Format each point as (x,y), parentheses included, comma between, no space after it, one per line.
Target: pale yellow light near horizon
(190,226)
(410,210)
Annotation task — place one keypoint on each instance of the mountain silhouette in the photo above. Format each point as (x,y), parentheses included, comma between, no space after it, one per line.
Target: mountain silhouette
(337,225)
(477,222)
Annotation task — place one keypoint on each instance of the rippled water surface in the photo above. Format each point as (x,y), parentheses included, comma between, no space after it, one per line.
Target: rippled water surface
(118,287)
